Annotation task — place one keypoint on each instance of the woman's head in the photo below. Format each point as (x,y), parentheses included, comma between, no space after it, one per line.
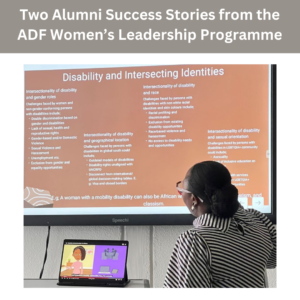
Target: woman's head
(79,253)
(209,184)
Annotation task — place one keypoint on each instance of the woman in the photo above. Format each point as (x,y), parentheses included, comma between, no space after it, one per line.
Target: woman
(79,255)
(228,246)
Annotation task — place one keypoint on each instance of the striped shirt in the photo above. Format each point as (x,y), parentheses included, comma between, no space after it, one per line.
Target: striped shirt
(224,252)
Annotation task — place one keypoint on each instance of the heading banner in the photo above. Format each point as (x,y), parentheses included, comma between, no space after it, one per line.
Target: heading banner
(132,26)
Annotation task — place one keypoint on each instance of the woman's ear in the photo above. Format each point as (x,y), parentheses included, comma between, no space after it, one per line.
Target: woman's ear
(195,200)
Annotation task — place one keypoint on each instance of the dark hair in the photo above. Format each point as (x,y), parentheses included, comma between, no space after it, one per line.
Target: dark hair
(211,181)
(82,250)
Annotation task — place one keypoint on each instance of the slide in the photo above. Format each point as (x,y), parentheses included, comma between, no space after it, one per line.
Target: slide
(123,136)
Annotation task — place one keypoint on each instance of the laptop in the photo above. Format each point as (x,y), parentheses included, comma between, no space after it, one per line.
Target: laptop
(94,263)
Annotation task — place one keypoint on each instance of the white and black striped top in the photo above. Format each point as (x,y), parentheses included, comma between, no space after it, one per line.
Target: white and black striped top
(219,252)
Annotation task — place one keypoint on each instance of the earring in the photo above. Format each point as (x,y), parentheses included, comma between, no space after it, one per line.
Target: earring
(193,206)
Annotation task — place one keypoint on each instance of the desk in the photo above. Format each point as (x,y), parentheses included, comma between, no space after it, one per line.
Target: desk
(52,283)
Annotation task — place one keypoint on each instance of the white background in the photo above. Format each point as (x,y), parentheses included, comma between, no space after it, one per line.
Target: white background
(12,152)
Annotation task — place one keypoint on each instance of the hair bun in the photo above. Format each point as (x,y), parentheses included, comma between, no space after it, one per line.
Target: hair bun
(226,187)
(211,181)
(223,202)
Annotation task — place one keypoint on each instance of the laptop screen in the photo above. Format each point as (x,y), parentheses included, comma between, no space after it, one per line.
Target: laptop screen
(94,260)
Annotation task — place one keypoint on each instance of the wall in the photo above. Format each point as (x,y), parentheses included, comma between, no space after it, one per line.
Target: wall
(150,248)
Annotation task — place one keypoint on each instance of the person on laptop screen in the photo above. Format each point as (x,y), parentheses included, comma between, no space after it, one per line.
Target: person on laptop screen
(79,255)
(229,246)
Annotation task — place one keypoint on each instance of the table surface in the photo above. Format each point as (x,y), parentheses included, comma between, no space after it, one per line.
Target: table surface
(52,283)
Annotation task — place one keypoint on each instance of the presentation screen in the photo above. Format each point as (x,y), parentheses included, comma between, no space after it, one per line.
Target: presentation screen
(107,144)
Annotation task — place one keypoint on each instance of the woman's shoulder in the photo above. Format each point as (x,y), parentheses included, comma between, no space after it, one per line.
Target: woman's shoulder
(191,239)
(253,211)
(191,235)
(257,214)
(259,218)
